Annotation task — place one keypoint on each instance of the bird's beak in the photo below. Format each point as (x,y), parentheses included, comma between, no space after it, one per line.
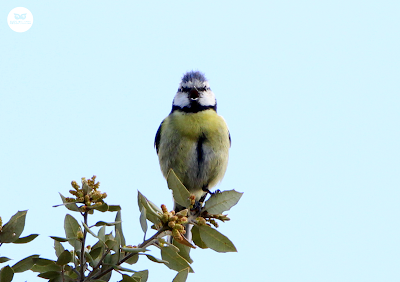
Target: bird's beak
(194,94)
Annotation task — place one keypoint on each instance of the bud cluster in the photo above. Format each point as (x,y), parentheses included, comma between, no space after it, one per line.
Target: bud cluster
(208,219)
(88,194)
(175,221)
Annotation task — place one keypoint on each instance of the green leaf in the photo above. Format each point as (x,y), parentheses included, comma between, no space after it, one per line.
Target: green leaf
(72,227)
(111,244)
(69,205)
(24,264)
(142,275)
(180,193)
(156,208)
(118,227)
(142,219)
(95,252)
(105,207)
(50,274)
(215,240)
(6,274)
(150,257)
(13,228)
(102,208)
(220,202)
(183,251)
(114,208)
(58,247)
(45,268)
(102,234)
(89,259)
(87,228)
(133,250)
(118,267)
(111,259)
(43,262)
(196,237)
(103,223)
(26,239)
(106,277)
(59,239)
(175,261)
(151,214)
(132,260)
(110,237)
(4,259)
(64,258)
(117,248)
(127,278)
(181,276)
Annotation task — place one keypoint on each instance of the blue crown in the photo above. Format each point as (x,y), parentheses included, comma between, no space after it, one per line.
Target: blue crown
(193,75)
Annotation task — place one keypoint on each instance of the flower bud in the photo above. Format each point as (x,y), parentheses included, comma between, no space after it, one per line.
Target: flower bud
(182,213)
(73,192)
(183,220)
(79,235)
(75,185)
(165,217)
(177,235)
(171,224)
(213,222)
(179,227)
(200,221)
(164,208)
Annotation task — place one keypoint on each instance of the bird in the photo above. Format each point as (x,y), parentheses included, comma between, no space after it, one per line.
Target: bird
(193,139)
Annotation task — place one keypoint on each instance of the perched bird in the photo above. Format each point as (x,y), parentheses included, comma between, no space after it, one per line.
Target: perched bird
(193,139)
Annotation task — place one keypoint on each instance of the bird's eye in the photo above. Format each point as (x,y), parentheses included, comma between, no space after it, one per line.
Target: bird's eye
(185,89)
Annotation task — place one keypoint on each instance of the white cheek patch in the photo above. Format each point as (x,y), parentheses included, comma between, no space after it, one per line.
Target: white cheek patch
(207,98)
(181,100)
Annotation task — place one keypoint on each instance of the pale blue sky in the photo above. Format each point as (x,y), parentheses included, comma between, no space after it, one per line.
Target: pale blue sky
(309,89)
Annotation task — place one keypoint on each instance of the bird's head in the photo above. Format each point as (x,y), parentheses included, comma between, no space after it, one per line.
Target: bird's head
(194,94)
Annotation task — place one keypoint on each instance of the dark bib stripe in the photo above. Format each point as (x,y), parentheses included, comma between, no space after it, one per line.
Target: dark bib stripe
(194,108)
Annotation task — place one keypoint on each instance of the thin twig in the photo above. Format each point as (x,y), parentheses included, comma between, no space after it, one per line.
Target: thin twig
(82,258)
(145,244)
(98,265)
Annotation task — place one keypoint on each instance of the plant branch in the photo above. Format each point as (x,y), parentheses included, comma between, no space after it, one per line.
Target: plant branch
(82,256)
(98,265)
(145,244)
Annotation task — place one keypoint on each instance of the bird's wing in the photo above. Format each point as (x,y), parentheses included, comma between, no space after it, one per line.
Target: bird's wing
(158,138)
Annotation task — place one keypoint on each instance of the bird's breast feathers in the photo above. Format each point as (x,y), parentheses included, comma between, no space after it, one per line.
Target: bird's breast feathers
(196,146)
(193,125)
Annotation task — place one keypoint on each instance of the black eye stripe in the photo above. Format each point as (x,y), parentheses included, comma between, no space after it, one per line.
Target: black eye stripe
(187,89)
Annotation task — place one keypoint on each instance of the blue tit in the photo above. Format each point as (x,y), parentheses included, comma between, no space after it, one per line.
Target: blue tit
(193,139)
